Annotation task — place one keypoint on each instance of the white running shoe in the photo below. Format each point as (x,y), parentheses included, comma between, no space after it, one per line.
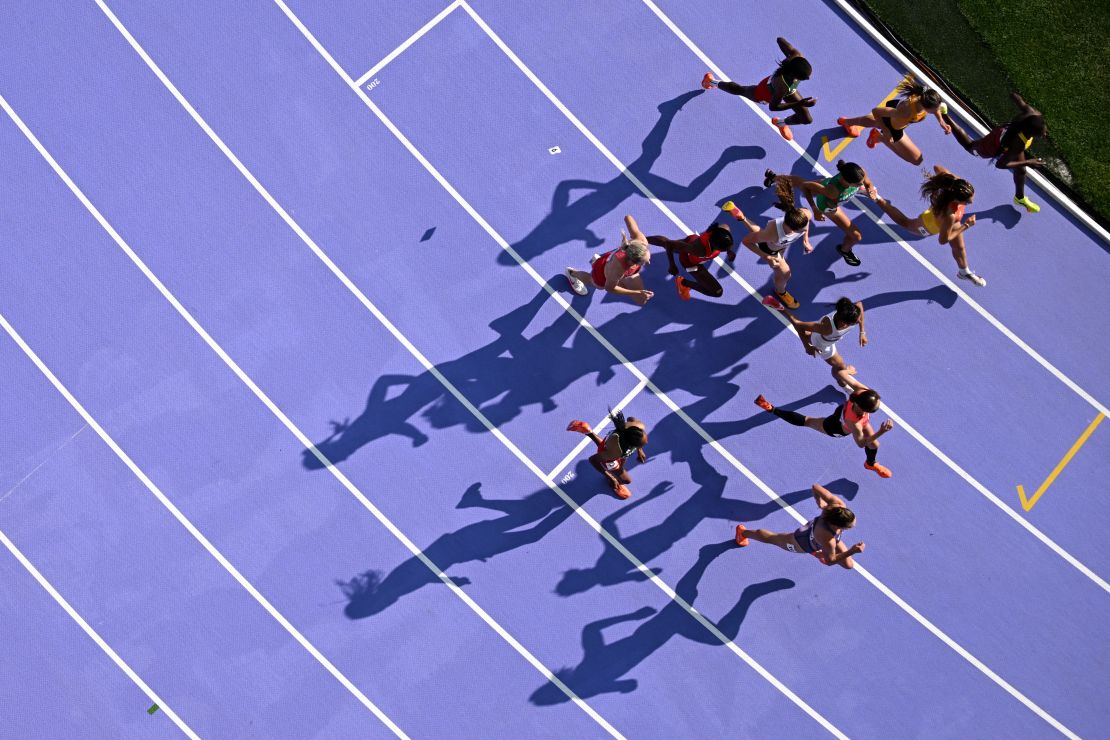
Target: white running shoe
(972,278)
(576,285)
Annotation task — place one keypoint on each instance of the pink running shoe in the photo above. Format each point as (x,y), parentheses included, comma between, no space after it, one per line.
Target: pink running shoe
(772,302)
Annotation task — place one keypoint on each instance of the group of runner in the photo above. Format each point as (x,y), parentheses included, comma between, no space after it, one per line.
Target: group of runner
(618,271)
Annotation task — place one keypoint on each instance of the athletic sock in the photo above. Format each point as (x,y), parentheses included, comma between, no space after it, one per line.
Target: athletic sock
(791,417)
(872,453)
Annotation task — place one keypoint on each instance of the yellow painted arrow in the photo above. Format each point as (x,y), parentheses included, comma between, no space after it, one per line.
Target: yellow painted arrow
(1029,503)
(831,155)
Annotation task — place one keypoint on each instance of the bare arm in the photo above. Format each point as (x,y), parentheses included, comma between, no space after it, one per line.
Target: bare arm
(669,244)
(787,49)
(943,124)
(836,556)
(633,229)
(753,238)
(613,274)
(863,439)
(824,497)
(1024,106)
(862,332)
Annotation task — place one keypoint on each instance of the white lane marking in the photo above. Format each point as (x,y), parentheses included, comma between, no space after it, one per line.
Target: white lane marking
(600,426)
(147,482)
(1059,374)
(273,408)
(1043,182)
(93,634)
(1000,503)
(407,43)
(620,357)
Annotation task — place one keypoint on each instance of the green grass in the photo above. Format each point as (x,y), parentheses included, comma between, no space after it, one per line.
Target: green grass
(1056,53)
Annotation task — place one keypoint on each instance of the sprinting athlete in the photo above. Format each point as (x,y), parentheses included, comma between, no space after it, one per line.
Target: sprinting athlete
(772,240)
(825,197)
(820,337)
(852,417)
(629,437)
(694,253)
(617,271)
(948,196)
(889,122)
(819,538)
(778,91)
(1007,145)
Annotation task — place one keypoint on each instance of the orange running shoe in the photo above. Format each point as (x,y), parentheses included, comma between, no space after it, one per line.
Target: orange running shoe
(882,470)
(852,131)
(763,403)
(740,538)
(579,426)
(788,300)
(873,138)
(708,80)
(682,288)
(623,492)
(783,128)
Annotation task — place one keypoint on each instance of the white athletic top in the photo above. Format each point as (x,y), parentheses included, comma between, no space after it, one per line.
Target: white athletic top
(824,340)
(784,239)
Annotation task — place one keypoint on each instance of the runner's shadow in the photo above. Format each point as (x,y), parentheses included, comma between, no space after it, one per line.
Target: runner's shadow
(605,665)
(522,522)
(571,220)
(1005,215)
(722,430)
(613,567)
(501,378)
(942,295)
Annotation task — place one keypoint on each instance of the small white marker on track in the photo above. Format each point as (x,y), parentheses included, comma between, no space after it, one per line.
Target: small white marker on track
(554,150)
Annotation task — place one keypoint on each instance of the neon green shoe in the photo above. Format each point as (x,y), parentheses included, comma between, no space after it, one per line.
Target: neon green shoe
(1027,204)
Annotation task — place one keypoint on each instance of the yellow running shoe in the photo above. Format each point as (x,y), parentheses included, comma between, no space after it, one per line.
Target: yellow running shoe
(1027,204)
(730,207)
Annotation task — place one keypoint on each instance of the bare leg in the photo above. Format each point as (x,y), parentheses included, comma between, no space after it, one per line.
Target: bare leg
(701,280)
(852,235)
(905,148)
(868,121)
(780,274)
(959,251)
(732,88)
(781,539)
(586,278)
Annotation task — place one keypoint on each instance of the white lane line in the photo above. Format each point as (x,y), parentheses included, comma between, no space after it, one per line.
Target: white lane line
(1043,182)
(620,357)
(301,437)
(149,484)
(389,326)
(407,43)
(599,427)
(93,634)
(1075,387)
(621,167)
